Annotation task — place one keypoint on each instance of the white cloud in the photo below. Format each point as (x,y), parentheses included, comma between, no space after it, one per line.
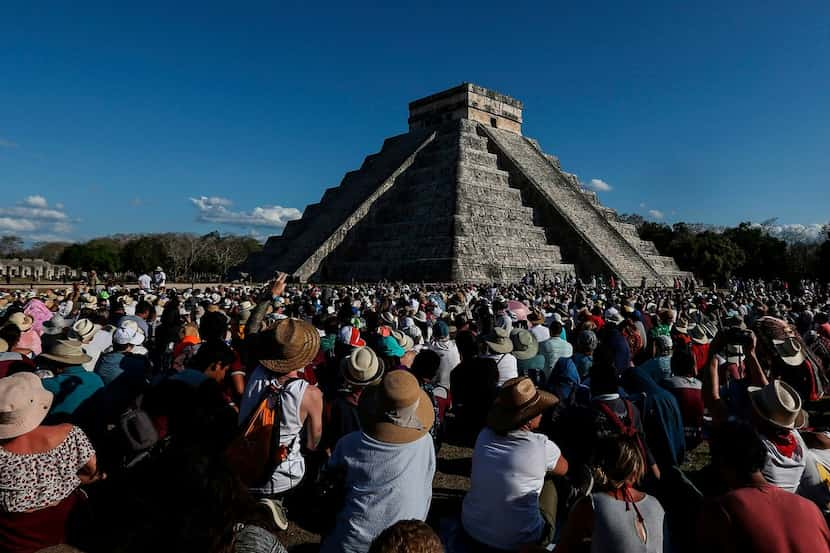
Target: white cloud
(35,201)
(655,213)
(214,209)
(16,225)
(642,205)
(793,233)
(33,219)
(599,185)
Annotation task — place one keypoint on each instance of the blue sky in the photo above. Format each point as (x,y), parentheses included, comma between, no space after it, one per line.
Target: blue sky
(113,117)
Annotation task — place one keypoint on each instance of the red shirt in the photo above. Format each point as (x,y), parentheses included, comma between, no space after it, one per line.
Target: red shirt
(767,519)
(701,355)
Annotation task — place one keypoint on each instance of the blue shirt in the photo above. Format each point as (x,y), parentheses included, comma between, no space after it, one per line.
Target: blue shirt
(564,380)
(112,364)
(71,388)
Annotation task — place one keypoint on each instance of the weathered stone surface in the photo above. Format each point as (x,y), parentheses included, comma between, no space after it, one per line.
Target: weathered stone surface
(463,196)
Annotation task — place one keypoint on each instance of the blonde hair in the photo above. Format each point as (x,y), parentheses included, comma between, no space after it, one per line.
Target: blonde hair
(617,463)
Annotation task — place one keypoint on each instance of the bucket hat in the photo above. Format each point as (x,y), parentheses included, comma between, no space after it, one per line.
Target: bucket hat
(518,401)
(525,345)
(362,367)
(128,332)
(24,403)
(779,404)
(289,346)
(68,352)
(397,411)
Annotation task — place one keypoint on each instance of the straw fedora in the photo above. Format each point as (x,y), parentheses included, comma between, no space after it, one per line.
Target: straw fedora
(519,401)
(84,330)
(682,326)
(22,321)
(388,318)
(55,325)
(362,367)
(779,404)
(246,306)
(698,335)
(406,342)
(397,411)
(24,403)
(525,344)
(789,350)
(289,346)
(68,352)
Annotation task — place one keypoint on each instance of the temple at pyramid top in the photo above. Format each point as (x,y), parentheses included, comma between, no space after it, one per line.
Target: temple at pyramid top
(467,101)
(461,196)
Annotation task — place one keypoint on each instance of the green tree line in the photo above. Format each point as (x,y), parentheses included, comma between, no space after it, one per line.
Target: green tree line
(180,254)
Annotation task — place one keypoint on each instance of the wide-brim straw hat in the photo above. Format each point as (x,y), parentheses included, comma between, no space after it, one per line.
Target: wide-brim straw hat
(498,342)
(779,404)
(698,335)
(68,352)
(789,350)
(290,345)
(525,344)
(85,329)
(362,367)
(519,401)
(397,411)
(406,342)
(24,403)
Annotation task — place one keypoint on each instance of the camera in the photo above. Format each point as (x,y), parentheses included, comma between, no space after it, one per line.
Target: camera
(737,336)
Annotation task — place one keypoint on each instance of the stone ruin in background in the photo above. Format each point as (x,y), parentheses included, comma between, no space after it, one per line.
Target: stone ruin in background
(462,197)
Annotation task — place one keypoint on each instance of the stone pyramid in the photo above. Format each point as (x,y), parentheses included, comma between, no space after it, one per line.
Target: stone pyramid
(462,196)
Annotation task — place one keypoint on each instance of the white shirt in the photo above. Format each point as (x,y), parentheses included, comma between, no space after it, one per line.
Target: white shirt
(450,359)
(144,281)
(541,332)
(100,343)
(506,363)
(502,507)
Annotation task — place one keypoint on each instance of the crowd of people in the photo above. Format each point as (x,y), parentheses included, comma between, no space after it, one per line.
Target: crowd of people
(137,418)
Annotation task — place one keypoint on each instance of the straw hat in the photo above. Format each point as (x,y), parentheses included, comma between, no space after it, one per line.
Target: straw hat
(246,306)
(406,343)
(536,317)
(397,411)
(518,402)
(789,350)
(682,326)
(22,321)
(698,335)
(388,318)
(289,346)
(525,344)
(362,367)
(68,352)
(499,341)
(24,403)
(779,404)
(128,332)
(84,329)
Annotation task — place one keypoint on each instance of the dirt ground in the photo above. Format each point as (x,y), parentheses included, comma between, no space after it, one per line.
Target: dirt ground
(451,482)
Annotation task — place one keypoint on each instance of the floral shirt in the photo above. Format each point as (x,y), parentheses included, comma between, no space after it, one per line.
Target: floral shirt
(37,480)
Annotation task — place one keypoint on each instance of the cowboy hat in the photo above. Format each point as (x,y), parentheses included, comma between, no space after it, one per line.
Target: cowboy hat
(84,329)
(289,346)
(397,411)
(698,335)
(682,326)
(22,321)
(420,317)
(525,344)
(246,306)
(518,401)
(24,403)
(362,367)
(789,350)
(68,352)
(779,404)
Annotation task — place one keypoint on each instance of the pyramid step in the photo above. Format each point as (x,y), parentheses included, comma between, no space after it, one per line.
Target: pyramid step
(517,231)
(483,175)
(498,195)
(509,212)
